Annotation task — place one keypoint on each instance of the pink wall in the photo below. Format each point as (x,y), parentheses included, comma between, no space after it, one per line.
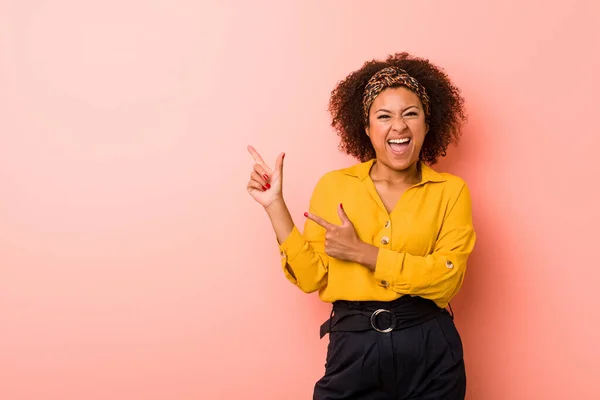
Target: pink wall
(133,265)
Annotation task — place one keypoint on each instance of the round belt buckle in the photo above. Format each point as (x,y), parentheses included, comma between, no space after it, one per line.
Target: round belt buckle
(392,322)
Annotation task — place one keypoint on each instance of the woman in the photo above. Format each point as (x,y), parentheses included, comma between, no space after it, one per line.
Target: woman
(387,240)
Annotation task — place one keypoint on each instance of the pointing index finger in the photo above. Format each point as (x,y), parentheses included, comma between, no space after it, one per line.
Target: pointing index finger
(257,158)
(319,221)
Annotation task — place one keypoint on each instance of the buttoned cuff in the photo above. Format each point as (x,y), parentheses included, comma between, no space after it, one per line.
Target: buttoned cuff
(289,249)
(387,270)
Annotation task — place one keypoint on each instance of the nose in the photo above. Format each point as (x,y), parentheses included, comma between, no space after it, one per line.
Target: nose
(398,124)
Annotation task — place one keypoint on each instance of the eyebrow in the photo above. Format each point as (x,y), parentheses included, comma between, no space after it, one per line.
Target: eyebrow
(385,110)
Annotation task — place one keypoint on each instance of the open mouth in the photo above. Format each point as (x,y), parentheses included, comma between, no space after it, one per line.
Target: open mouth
(399,145)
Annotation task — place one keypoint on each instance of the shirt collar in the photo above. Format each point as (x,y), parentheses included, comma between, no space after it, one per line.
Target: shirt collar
(361,171)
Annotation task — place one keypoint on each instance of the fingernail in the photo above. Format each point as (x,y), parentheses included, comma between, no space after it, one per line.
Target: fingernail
(266,177)
(341,206)
(268,186)
(264,188)
(283,156)
(306,214)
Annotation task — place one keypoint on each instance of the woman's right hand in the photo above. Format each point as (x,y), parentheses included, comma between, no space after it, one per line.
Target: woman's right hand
(265,185)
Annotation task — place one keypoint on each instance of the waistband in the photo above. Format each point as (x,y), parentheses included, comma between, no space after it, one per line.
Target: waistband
(384,317)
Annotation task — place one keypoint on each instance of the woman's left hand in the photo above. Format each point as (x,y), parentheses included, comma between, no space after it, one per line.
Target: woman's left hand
(341,241)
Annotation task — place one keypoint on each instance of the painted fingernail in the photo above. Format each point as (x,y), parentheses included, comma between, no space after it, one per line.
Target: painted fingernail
(306,214)
(266,177)
(341,206)
(268,186)
(283,156)
(264,188)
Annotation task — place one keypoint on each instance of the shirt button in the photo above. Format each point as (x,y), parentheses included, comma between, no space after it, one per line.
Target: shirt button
(385,283)
(385,240)
(387,224)
(282,253)
(449,264)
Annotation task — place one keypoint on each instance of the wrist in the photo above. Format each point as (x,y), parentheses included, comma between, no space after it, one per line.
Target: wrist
(281,219)
(366,255)
(275,206)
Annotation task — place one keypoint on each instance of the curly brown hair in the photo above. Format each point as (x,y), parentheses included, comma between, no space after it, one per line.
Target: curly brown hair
(447,107)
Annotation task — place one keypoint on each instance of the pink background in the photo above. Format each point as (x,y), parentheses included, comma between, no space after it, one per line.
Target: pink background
(133,265)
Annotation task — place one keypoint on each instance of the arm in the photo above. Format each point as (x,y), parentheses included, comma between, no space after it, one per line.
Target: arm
(437,276)
(303,257)
(281,220)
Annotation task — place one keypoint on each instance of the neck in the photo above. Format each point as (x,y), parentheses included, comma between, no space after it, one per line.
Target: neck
(381,172)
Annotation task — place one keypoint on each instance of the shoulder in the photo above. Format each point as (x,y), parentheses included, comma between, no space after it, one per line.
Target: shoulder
(452,181)
(452,186)
(356,172)
(330,182)
(335,182)
(448,180)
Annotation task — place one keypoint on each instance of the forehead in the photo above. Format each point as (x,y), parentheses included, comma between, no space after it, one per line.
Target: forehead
(397,97)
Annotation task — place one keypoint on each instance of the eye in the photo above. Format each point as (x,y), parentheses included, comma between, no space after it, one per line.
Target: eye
(411,114)
(383,116)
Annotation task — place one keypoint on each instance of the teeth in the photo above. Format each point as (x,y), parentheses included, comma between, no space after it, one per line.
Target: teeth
(399,141)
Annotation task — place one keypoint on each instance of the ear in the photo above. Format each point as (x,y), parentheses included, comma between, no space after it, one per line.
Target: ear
(367,131)
(426,128)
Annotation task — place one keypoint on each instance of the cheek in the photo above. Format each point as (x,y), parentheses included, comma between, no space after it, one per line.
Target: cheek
(378,133)
(419,130)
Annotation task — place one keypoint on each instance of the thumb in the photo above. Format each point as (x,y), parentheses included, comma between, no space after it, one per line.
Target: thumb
(279,163)
(343,215)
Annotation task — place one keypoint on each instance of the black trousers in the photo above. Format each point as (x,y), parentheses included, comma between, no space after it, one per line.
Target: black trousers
(421,358)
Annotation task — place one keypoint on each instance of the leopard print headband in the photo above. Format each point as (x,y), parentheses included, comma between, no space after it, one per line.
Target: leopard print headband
(391,77)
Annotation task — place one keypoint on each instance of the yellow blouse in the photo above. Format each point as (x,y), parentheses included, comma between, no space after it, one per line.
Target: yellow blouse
(423,243)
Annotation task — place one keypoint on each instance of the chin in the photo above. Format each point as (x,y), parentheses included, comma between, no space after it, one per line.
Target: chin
(400,163)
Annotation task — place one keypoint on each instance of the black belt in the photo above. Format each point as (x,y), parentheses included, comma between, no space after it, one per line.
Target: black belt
(383,317)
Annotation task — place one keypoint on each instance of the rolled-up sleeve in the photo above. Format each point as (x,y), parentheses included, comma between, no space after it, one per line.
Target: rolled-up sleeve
(303,257)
